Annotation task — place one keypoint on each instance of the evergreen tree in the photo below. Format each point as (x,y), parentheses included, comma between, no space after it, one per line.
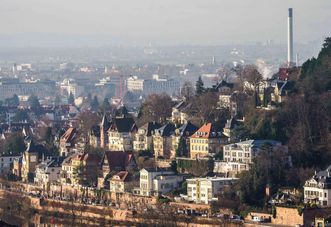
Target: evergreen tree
(106,105)
(15,100)
(71,99)
(34,104)
(94,103)
(182,150)
(199,86)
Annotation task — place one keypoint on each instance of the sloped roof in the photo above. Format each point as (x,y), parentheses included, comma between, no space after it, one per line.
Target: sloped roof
(187,129)
(69,135)
(223,83)
(57,161)
(35,148)
(150,127)
(118,160)
(231,123)
(123,125)
(324,178)
(166,130)
(180,105)
(208,131)
(259,143)
(86,157)
(105,122)
(121,176)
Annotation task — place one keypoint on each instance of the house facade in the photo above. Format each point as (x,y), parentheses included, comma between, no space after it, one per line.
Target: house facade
(67,142)
(120,182)
(94,137)
(205,190)
(157,181)
(17,168)
(30,159)
(113,162)
(6,163)
(162,141)
(143,139)
(239,156)
(317,189)
(66,174)
(182,133)
(48,171)
(120,134)
(207,141)
(178,114)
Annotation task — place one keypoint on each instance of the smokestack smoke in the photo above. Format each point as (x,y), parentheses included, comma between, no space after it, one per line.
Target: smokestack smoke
(290,37)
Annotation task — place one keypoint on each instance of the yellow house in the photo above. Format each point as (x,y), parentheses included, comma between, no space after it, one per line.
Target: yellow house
(208,140)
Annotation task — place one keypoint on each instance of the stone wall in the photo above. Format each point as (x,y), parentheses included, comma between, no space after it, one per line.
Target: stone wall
(287,216)
(291,217)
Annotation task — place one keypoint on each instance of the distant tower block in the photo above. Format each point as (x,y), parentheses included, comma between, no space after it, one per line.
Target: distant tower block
(290,37)
(213,61)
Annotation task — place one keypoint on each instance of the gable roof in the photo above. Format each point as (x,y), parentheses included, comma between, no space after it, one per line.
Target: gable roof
(150,127)
(121,176)
(323,178)
(69,135)
(86,157)
(231,123)
(105,122)
(122,125)
(223,83)
(95,131)
(117,160)
(208,131)
(187,129)
(180,105)
(34,148)
(166,130)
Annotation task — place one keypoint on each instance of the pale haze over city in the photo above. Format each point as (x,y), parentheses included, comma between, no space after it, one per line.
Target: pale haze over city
(157,113)
(168,22)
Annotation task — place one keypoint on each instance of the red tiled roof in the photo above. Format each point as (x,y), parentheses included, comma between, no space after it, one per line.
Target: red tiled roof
(69,135)
(207,131)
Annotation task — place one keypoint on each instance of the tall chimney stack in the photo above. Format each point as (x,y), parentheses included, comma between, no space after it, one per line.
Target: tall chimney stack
(290,60)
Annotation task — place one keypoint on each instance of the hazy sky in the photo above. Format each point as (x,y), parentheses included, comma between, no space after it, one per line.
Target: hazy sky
(167,21)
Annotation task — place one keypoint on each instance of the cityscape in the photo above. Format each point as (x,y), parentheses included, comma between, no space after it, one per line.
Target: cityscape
(168,126)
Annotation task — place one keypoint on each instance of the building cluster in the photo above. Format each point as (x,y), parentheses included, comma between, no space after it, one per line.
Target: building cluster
(112,155)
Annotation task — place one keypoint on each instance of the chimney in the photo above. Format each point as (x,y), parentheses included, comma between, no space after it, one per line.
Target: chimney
(290,37)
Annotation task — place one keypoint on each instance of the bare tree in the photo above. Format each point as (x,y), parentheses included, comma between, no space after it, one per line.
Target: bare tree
(187,90)
(157,107)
